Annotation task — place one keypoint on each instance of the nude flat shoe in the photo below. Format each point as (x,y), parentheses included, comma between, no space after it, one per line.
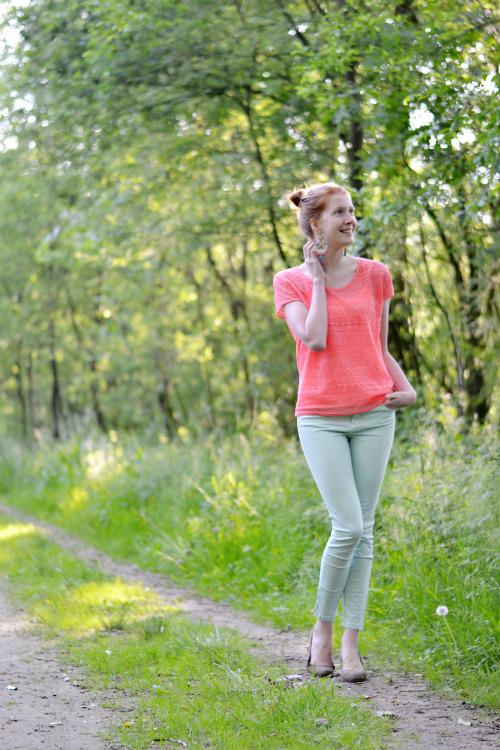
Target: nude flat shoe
(355,674)
(319,670)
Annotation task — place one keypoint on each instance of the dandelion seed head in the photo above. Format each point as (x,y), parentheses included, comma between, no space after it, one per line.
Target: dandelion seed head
(442,610)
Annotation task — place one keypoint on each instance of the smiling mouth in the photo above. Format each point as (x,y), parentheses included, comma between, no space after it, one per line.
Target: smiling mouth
(346,231)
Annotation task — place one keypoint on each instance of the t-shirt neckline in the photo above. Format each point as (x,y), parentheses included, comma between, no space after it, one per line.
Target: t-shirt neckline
(338,288)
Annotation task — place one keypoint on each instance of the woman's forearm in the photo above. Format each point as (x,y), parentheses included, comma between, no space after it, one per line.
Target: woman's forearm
(316,324)
(399,378)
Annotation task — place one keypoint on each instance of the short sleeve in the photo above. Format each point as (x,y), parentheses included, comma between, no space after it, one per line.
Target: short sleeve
(387,285)
(285,290)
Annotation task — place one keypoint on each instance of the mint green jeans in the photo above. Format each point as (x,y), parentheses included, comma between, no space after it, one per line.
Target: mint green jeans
(347,457)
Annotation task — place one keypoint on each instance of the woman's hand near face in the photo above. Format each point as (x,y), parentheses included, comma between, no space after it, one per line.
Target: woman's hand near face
(313,264)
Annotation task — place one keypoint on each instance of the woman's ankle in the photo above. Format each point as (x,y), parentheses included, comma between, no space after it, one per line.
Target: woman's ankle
(323,627)
(350,639)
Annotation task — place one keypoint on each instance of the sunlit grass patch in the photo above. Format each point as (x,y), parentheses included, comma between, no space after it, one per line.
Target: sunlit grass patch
(74,499)
(99,605)
(63,593)
(16,530)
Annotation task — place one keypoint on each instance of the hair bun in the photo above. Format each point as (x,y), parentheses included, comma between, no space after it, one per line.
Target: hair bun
(296,196)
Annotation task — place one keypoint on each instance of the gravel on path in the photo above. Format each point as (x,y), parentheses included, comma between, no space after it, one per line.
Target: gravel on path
(43,705)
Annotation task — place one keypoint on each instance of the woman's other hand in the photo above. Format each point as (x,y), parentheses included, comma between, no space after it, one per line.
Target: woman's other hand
(399,399)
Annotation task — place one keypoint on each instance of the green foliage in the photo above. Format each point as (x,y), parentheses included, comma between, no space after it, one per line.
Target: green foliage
(142,217)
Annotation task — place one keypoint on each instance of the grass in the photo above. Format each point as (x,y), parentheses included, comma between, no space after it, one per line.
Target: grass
(187,682)
(239,519)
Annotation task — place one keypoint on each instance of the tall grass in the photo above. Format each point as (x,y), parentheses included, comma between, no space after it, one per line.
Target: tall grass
(239,519)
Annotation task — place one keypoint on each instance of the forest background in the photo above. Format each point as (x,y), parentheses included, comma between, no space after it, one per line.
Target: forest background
(146,151)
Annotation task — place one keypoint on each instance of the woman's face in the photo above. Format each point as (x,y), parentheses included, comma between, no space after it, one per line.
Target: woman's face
(337,222)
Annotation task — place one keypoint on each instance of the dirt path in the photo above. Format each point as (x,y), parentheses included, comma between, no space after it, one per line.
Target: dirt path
(49,708)
(424,721)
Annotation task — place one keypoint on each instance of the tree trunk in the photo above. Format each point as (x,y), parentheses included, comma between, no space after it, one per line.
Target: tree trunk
(32,410)
(163,396)
(18,375)
(477,399)
(56,397)
(93,363)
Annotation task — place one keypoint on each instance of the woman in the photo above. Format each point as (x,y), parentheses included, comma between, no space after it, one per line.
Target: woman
(337,308)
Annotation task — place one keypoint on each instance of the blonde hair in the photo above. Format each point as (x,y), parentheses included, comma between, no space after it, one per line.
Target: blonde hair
(311,202)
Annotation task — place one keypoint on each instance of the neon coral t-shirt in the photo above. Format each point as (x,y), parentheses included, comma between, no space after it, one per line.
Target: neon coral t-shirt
(349,376)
